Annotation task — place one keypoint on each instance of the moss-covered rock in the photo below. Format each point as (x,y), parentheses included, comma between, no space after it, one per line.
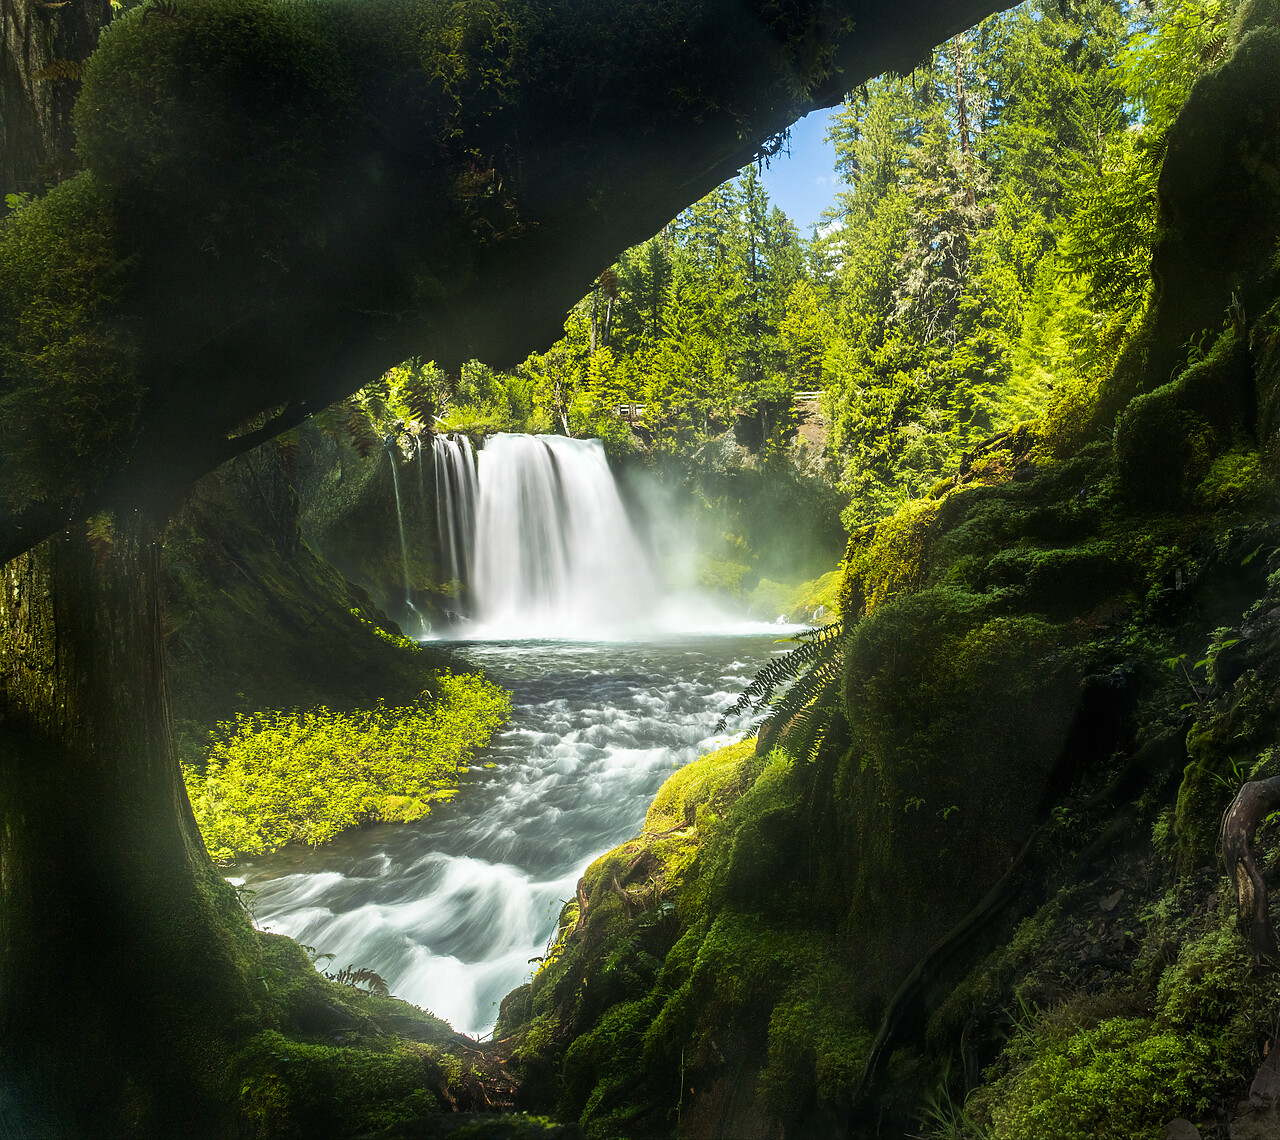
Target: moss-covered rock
(255,616)
(1167,440)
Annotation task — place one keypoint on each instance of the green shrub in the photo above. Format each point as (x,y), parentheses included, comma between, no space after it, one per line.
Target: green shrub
(280,777)
(1122,1080)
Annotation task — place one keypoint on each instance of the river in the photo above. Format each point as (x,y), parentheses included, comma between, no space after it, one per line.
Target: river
(450,910)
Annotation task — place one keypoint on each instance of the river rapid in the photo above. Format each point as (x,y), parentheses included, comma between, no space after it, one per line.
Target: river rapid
(451,910)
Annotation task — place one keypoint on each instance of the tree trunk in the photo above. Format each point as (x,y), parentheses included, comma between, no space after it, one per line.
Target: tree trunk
(127,966)
(42,46)
(962,123)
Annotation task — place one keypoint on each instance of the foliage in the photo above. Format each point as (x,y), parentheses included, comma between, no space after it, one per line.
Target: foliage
(1122,1080)
(801,713)
(273,778)
(70,390)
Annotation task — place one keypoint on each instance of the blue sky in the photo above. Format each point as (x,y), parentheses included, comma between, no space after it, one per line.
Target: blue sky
(804,184)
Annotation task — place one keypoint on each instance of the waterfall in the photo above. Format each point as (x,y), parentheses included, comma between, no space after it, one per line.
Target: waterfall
(555,552)
(424,626)
(455,469)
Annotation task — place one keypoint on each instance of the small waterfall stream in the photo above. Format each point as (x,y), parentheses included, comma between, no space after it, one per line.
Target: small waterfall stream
(456,493)
(424,627)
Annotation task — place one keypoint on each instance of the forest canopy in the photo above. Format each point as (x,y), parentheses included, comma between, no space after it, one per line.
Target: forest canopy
(986,259)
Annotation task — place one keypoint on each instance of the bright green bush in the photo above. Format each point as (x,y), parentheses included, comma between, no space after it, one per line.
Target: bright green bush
(1120,1081)
(282,777)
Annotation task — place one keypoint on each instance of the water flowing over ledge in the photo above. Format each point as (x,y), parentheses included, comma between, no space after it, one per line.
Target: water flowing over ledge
(556,554)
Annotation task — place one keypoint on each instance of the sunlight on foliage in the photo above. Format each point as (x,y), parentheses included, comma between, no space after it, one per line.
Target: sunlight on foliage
(273,778)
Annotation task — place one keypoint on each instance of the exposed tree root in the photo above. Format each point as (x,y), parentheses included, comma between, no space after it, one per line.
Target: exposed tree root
(1253,803)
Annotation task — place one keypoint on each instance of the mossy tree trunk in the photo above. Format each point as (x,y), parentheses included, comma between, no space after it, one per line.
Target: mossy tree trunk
(126,963)
(42,49)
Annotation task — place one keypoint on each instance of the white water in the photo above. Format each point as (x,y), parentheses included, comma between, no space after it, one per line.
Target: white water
(450,910)
(456,494)
(556,555)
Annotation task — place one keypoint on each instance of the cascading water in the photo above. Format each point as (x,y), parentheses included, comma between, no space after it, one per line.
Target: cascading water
(453,911)
(456,494)
(423,625)
(556,555)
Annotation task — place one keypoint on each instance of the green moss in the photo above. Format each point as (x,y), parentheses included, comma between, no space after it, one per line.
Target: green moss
(68,365)
(290,1089)
(1166,441)
(1212,992)
(817,1044)
(1123,1080)
(699,782)
(886,560)
(154,85)
(1068,419)
(1235,479)
(602,1066)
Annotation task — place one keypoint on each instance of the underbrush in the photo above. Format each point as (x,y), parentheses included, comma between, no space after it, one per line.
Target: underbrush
(280,777)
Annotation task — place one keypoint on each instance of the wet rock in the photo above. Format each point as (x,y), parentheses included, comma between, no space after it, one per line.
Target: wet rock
(1181,1129)
(1255,1123)
(1265,1089)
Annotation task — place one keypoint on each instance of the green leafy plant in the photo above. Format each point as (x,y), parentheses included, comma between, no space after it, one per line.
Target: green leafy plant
(800,716)
(280,777)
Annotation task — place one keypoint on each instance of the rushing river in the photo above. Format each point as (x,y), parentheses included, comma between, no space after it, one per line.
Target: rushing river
(451,910)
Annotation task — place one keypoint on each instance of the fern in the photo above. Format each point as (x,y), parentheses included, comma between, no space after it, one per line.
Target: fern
(360,429)
(416,394)
(812,673)
(801,717)
(361,979)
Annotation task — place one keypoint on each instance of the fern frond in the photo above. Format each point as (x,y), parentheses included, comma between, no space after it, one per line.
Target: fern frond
(363,978)
(416,393)
(802,716)
(360,429)
(815,646)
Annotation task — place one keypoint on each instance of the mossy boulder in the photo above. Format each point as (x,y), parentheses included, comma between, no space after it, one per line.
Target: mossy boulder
(354,511)
(1167,440)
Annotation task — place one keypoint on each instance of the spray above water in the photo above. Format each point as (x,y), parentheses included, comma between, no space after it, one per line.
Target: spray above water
(556,554)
